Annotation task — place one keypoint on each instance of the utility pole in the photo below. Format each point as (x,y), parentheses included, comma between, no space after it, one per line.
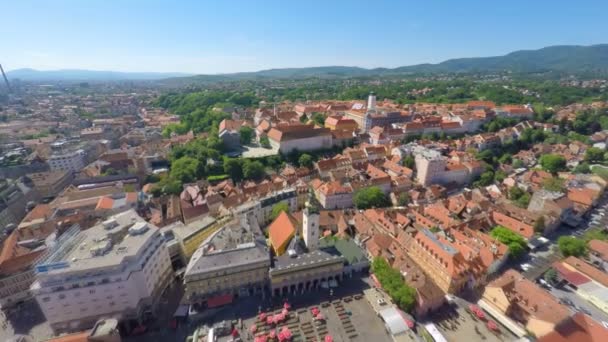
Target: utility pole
(8,85)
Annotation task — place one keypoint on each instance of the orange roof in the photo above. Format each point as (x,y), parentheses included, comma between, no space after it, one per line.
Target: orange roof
(41,211)
(76,337)
(105,203)
(588,270)
(583,196)
(579,328)
(281,230)
(599,247)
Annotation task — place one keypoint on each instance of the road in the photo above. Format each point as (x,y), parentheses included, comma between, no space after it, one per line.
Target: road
(579,303)
(542,259)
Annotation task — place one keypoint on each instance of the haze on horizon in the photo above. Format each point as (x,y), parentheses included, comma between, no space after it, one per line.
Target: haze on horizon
(209,37)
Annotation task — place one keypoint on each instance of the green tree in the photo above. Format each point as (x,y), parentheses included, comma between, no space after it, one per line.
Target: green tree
(264,141)
(516,243)
(234,168)
(404,199)
(551,276)
(319,119)
(554,184)
(246,133)
(370,197)
(392,282)
(571,246)
(485,179)
(517,163)
(409,162)
(305,160)
(277,209)
(515,193)
(582,168)
(184,169)
(253,169)
(594,155)
(553,162)
(539,225)
(596,234)
(523,201)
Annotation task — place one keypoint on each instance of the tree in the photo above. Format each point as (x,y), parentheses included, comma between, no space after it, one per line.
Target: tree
(305,160)
(370,197)
(264,141)
(571,246)
(539,225)
(233,168)
(505,159)
(582,168)
(319,119)
(486,179)
(554,184)
(392,282)
(184,169)
(551,276)
(404,199)
(517,163)
(246,133)
(523,201)
(277,209)
(516,243)
(409,162)
(553,162)
(595,234)
(515,193)
(594,155)
(253,169)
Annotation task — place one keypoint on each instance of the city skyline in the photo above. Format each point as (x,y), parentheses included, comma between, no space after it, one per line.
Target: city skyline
(213,38)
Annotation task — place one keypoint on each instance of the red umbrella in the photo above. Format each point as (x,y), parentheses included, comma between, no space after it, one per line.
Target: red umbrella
(320,316)
(473,307)
(314,311)
(262,316)
(269,320)
(480,314)
(253,328)
(260,339)
(328,338)
(286,333)
(281,337)
(286,306)
(272,334)
(492,325)
(235,332)
(409,323)
(284,312)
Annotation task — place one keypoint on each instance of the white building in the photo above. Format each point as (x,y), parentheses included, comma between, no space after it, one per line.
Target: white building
(117,269)
(261,208)
(72,161)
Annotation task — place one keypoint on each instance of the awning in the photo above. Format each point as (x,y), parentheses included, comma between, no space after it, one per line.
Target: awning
(219,300)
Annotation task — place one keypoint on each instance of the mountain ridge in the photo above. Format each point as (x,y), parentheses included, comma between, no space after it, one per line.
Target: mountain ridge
(567,59)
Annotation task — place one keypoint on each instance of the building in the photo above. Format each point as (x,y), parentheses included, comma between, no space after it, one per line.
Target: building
(287,138)
(16,269)
(297,273)
(513,299)
(16,197)
(587,281)
(190,236)
(334,195)
(281,231)
(232,263)
(50,184)
(580,328)
(261,208)
(598,253)
(104,330)
(72,161)
(229,132)
(116,269)
(340,123)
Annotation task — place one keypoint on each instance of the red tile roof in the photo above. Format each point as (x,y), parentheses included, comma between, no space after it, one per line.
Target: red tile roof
(282,229)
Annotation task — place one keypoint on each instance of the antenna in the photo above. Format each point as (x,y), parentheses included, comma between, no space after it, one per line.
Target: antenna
(8,85)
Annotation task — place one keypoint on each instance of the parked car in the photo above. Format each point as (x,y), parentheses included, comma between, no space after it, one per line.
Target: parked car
(566,301)
(525,266)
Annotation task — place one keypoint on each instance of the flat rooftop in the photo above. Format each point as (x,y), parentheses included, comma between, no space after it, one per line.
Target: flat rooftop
(104,245)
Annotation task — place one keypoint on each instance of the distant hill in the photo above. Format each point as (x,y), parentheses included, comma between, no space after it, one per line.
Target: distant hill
(567,59)
(87,75)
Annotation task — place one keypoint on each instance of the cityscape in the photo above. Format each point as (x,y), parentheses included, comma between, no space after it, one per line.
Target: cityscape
(463,200)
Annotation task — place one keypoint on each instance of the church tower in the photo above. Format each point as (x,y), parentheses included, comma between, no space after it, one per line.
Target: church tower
(371,109)
(310,224)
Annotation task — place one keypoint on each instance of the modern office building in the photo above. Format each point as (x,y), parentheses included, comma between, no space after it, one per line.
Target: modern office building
(116,269)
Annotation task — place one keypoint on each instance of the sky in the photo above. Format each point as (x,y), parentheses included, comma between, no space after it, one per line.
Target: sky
(223,36)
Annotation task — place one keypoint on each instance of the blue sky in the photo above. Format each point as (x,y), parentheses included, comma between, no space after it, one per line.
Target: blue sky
(229,36)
